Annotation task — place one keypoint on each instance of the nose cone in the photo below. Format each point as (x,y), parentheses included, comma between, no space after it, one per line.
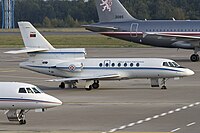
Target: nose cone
(188,72)
(53,102)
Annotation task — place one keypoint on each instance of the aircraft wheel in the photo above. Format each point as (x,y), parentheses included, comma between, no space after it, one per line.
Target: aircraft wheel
(163,87)
(75,87)
(21,122)
(194,58)
(90,88)
(95,85)
(62,85)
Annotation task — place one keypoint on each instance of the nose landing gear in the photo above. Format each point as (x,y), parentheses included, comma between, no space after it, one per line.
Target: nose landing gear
(16,115)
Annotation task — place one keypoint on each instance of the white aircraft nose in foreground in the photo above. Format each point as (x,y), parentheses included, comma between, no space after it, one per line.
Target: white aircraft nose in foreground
(72,65)
(18,98)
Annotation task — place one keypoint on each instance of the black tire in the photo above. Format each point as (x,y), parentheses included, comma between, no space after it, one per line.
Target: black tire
(22,122)
(164,88)
(62,85)
(89,89)
(194,58)
(95,85)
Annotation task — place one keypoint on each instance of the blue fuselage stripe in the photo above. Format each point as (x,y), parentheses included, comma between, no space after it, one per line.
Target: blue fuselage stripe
(22,100)
(57,53)
(112,68)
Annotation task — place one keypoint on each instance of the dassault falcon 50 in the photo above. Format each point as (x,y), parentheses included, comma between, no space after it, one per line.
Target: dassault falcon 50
(72,65)
(115,21)
(18,98)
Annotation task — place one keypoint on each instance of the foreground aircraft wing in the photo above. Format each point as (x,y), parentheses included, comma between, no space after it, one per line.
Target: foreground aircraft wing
(85,78)
(173,35)
(26,50)
(97,28)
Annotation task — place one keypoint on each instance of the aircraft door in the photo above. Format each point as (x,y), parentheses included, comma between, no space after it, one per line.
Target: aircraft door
(134,29)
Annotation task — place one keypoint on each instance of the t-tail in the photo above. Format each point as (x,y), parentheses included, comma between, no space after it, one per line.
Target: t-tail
(112,11)
(33,40)
(37,47)
(109,11)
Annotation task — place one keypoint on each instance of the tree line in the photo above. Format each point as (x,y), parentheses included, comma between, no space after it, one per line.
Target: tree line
(73,13)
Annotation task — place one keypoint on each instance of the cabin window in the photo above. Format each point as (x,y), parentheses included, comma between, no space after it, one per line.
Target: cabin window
(125,64)
(119,64)
(29,90)
(138,64)
(35,90)
(107,64)
(131,64)
(22,90)
(113,64)
(45,62)
(100,64)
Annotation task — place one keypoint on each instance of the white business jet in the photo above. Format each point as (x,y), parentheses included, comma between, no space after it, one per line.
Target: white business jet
(18,98)
(72,65)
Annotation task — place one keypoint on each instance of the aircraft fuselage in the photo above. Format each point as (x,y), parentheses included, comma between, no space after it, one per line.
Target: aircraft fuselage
(139,31)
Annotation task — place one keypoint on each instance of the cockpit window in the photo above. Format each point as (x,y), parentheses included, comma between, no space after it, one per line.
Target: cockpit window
(35,90)
(176,64)
(39,90)
(165,64)
(22,90)
(171,64)
(29,90)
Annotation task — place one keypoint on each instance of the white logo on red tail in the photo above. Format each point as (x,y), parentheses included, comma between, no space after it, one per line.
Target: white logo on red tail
(107,4)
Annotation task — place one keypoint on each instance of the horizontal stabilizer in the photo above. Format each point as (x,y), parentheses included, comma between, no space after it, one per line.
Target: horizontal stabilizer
(85,78)
(97,28)
(26,50)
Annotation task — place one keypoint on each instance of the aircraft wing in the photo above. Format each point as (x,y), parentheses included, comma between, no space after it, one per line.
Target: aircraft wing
(97,28)
(26,50)
(85,78)
(172,35)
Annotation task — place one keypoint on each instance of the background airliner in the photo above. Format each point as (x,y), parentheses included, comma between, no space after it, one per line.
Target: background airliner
(116,22)
(72,65)
(18,98)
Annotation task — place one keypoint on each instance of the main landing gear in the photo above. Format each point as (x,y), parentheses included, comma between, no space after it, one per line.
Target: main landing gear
(71,84)
(94,85)
(195,56)
(14,115)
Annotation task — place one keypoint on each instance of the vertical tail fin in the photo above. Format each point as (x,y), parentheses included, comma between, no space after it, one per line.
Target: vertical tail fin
(112,10)
(32,38)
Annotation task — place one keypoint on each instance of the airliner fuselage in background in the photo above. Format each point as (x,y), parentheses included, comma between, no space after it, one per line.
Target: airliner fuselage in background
(116,22)
(72,65)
